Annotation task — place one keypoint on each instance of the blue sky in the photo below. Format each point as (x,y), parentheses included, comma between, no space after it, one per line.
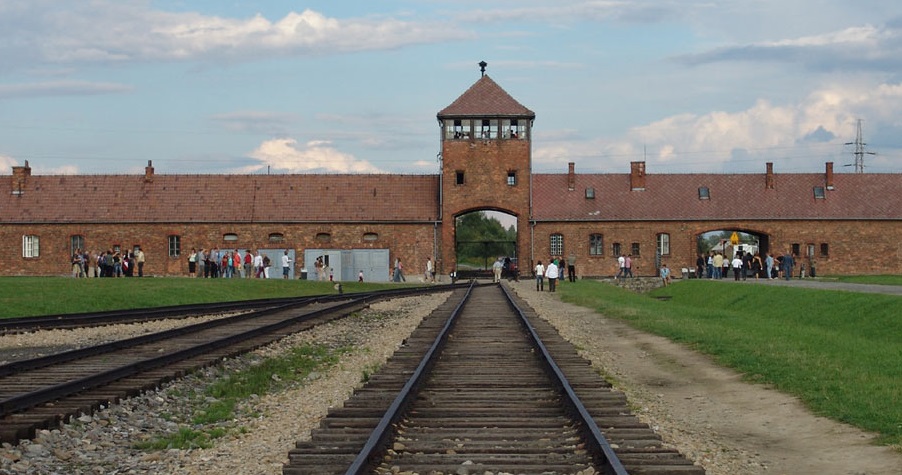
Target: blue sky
(104,86)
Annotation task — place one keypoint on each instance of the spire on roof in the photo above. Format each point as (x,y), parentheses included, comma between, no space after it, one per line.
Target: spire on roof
(482,65)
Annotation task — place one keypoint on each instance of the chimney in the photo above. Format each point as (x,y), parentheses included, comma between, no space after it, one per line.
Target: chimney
(571,176)
(769,178)
(637,176)
(148,172)
(829,177)
(20,178)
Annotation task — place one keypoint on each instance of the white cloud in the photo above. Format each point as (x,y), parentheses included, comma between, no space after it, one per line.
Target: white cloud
(6,164)
(762,132)
(284,155)
(117,31)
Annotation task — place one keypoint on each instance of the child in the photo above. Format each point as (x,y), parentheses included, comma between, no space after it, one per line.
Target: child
(360,276)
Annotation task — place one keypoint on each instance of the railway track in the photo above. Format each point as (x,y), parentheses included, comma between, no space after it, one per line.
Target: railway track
(485,386)
(44,392)
(115,317)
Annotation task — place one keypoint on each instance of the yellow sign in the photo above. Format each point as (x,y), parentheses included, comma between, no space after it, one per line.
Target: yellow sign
(734,239)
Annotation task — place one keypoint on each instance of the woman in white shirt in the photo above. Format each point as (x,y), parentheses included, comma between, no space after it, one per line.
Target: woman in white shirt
(552,274)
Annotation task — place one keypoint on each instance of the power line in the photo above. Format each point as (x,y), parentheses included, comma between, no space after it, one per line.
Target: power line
(859,152)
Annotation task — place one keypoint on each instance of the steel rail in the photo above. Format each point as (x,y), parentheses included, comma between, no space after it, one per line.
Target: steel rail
(51,393)
(609,460)
(393,414)
(123,316)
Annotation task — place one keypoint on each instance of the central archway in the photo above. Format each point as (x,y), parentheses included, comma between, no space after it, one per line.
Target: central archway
(482,237)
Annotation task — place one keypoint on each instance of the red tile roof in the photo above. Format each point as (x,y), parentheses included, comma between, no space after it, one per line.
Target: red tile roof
(733,196)
(221,198)
(485,98)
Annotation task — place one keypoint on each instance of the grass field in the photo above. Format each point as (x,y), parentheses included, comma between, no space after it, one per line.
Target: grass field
(29,296)
(839,352)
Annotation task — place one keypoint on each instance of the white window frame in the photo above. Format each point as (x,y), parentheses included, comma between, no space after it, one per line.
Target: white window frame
(556,244)
(664,244)
(31,246)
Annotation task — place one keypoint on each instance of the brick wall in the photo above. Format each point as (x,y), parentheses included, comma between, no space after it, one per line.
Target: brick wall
(854,247)
(413,243)
(485,164)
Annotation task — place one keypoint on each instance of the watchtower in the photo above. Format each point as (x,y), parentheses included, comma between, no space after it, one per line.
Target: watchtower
(486,159)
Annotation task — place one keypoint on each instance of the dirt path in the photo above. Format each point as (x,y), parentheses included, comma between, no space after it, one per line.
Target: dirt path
(731,427)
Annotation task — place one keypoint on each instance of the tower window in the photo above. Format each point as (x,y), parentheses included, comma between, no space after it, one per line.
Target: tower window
(511,178)
(459,177)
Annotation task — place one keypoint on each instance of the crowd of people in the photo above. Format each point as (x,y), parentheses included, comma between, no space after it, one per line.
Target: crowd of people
(744,264)
(109,263)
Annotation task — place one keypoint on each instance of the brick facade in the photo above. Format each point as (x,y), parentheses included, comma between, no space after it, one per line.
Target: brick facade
(485,142)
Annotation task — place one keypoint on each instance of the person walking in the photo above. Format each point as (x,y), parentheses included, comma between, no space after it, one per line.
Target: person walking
(551,272)
(497,267)
(737,266)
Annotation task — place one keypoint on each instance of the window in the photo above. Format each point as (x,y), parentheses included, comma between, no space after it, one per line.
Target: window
(825,249)
(819,193)
(370,237)
(596,245)
(229,237)
(489,129)
(459,177)
(616,249)
(511,178)
(276,237)
(590,193)
(704,193)
(323,237)
(796,249)
(809,250)
(31,246)
(175,245)
(635,250)
(663,244)
(457,129)
(76,242)
(557,245)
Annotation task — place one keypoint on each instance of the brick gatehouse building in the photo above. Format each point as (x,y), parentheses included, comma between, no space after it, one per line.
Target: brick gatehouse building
(848,223)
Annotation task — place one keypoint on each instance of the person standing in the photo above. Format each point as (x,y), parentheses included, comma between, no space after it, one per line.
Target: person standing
(540,277)
(139,259)
(430,271)
(202,270)
(788,263)
(737,266)
(769,263)
(248,264)
(286,265)
(258,264)
(665,274)
(621,264)
(629,265)
(571,267)
(551,272)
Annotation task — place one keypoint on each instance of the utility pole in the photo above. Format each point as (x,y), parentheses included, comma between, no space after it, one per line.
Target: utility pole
(860,151)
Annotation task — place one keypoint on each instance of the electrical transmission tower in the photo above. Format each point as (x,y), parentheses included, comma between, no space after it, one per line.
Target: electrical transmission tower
(860,151)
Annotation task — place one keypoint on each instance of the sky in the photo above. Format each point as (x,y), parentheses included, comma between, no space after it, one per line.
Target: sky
(256,87)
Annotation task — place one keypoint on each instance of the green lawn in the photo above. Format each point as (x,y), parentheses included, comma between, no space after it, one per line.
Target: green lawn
(29,296)
(839,352)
